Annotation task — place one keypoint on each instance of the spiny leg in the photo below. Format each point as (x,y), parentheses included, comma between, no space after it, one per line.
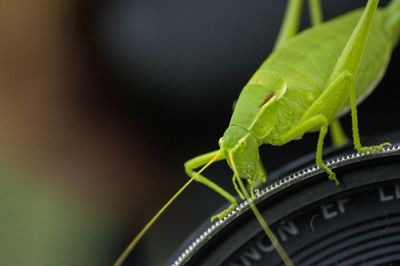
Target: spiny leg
(290,24)
(335,129)
(317,121)
(349,62)
(354,124)
(318,115)
(199,161)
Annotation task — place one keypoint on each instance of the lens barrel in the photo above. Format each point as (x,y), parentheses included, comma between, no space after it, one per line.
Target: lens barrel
(317,222)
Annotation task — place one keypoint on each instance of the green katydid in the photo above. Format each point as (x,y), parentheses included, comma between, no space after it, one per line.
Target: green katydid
(305,85)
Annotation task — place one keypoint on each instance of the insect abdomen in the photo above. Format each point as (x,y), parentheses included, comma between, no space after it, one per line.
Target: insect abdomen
(305,64)
(309,59)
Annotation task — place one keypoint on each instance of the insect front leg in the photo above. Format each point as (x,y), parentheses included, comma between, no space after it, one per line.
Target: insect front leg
(202,160)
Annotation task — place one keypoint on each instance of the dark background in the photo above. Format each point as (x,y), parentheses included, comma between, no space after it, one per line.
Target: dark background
(103,101)
(181,64)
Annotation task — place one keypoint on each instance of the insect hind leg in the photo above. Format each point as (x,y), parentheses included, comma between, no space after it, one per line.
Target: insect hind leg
(354,123)
(202,160)
(338,136)
(349,62)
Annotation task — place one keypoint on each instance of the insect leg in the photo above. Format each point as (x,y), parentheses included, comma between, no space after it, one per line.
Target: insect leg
(291,20)
(317,121)
(290,24)
(319,113)
(199,161)
(315,12)
(349,62)
(215,156)
(335,129)
(251,188)
(354,124)
(235,185)
(337,134)
(352,53)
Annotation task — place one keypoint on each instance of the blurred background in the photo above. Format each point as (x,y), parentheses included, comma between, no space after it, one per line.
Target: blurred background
(101,103)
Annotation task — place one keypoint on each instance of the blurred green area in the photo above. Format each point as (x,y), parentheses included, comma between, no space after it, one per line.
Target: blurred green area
(43,226)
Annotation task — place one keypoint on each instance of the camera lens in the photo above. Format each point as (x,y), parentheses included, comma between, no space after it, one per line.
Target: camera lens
(317,222)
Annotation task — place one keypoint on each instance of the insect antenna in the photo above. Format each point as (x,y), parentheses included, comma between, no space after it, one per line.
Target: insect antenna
(271,236)
(146,228)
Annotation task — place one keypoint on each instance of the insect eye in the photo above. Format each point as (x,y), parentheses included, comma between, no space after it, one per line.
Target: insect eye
(242,143)
(221,140)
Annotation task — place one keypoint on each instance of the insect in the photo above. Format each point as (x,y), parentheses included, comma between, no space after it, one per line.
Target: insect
(305,85)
